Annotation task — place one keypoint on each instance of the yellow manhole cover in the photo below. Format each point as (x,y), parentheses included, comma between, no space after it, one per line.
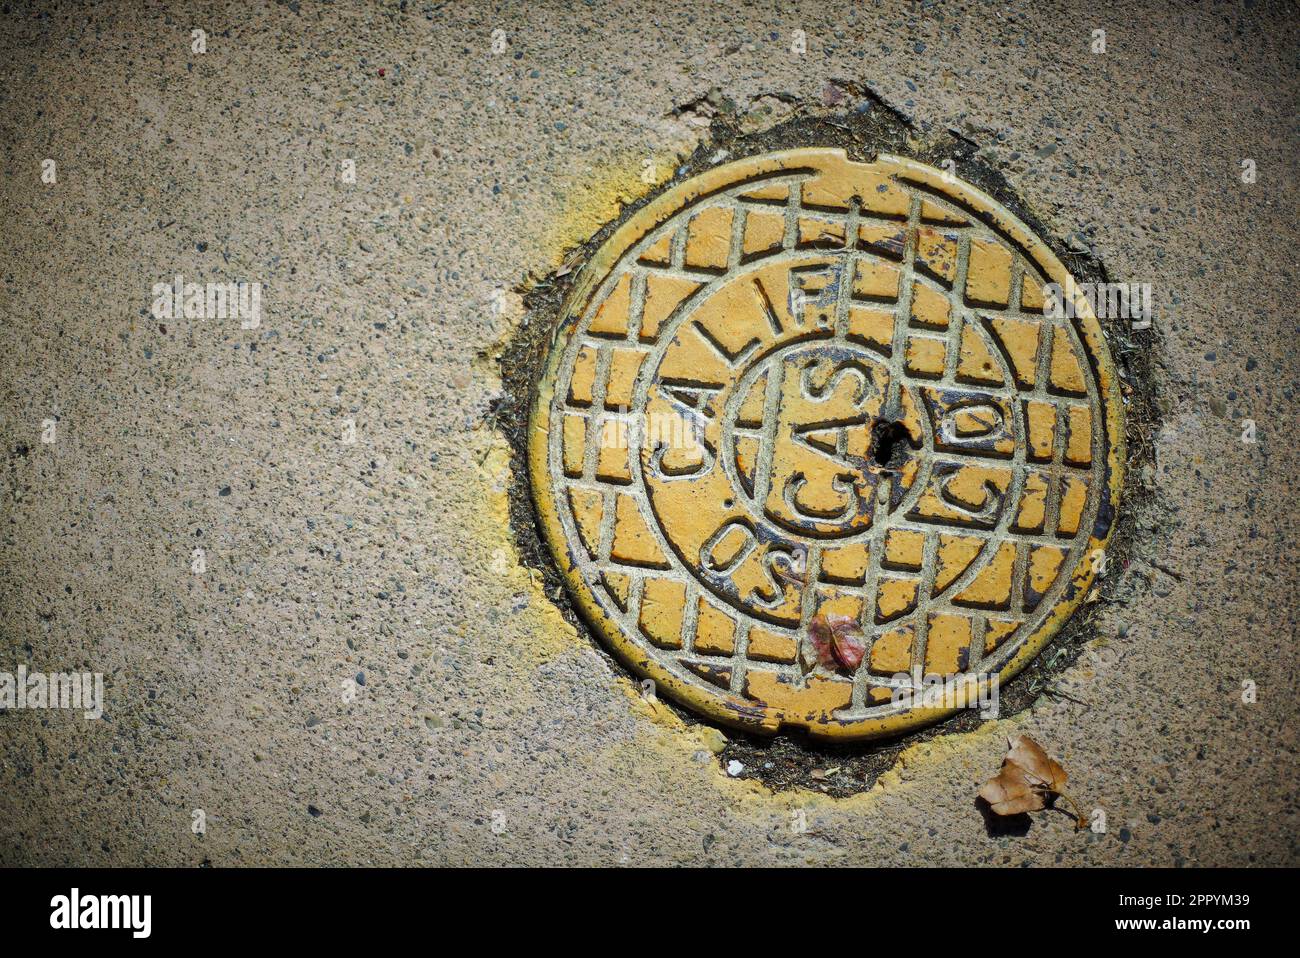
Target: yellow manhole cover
(797,388)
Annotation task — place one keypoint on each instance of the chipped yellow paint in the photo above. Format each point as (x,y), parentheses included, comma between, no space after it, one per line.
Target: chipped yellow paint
(797,385)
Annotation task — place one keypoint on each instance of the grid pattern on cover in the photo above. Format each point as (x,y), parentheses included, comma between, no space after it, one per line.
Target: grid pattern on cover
(945,319)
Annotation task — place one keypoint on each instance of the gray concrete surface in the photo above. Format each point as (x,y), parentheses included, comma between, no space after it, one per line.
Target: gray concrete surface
(391,557)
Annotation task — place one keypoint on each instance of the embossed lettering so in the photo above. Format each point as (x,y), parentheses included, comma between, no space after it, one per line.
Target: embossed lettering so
(797,386)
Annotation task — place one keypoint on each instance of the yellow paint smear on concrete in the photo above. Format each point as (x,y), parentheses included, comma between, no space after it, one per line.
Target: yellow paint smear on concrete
(690,738)
(964,748)
(552,634)
(596,196)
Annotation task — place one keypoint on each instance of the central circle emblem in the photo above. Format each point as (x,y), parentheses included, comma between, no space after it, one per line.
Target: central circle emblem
(809,442)
(799,388)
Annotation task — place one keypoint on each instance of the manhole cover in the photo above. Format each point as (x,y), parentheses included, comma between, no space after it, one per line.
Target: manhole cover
(798,387)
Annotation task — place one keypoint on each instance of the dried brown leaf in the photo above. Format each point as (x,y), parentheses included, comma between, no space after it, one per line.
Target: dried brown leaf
(1027,778)
(1010,792)
(1040,767)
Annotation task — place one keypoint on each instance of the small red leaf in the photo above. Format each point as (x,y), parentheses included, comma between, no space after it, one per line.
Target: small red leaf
(819,631)
(846,640)
(837,641)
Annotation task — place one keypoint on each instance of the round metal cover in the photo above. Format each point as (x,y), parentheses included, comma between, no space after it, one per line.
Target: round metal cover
(798,390)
